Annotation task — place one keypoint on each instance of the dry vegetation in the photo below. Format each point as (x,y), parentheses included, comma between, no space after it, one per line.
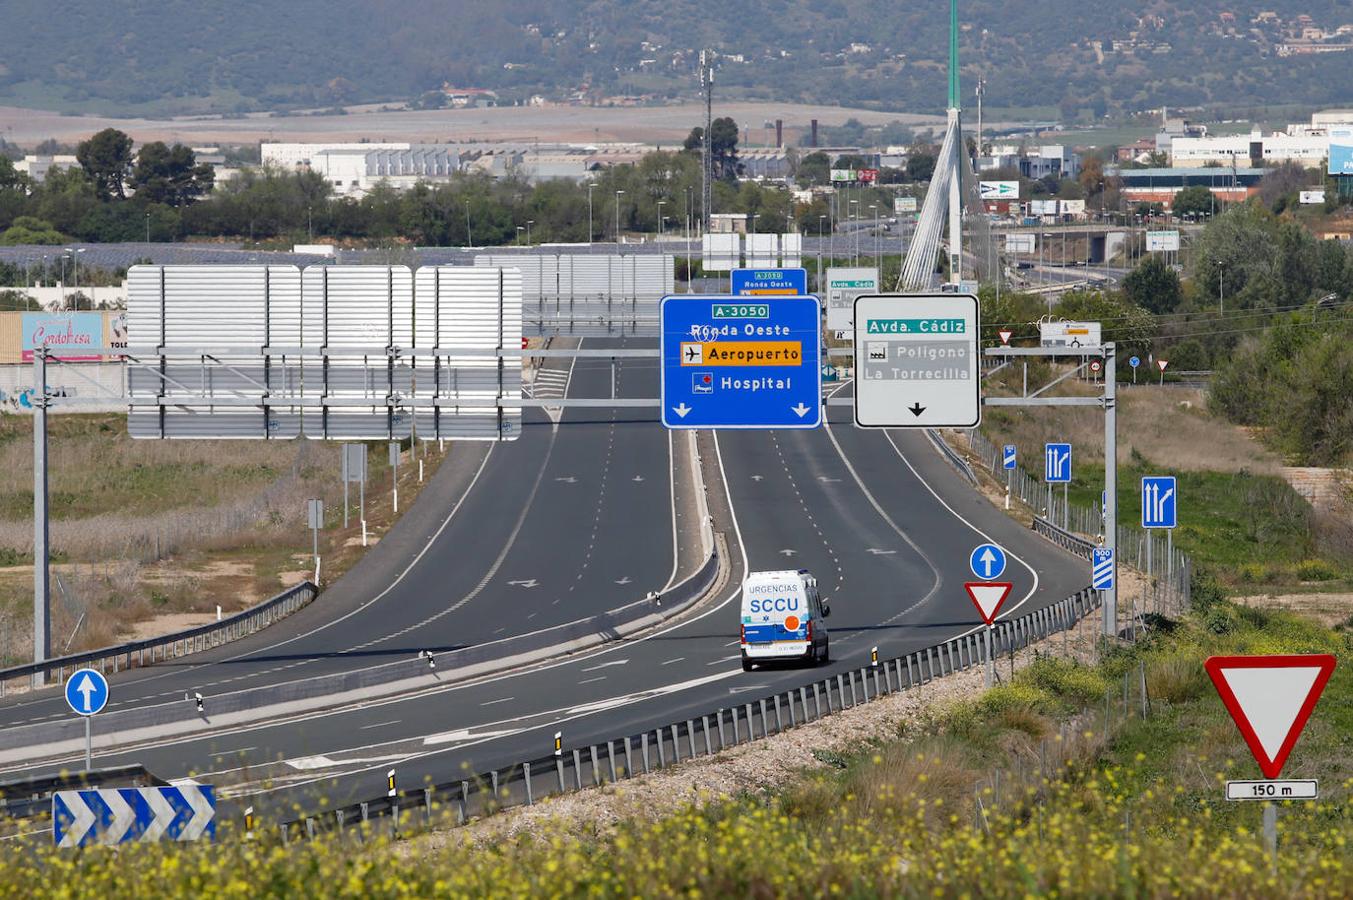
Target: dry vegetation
(144,530)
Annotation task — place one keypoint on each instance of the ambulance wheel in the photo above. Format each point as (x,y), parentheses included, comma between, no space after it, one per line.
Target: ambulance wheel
(746,664)
(826,656)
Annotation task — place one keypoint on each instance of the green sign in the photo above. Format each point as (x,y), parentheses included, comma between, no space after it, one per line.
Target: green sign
(741,311)
(869,283)
(916,326)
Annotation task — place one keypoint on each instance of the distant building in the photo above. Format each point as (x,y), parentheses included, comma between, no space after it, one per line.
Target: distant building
(1253,149)
(765,165)
(1159,185)
(1050,159)
(354,169)
(728,223)
(37,167)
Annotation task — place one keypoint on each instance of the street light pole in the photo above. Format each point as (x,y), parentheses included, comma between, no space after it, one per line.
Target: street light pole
(590,188)
(469,235)
(617,220)
(661,203)
(529,223)
(1221,287)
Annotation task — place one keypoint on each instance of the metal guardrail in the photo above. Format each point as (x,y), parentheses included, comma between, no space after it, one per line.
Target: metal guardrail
(415,670)
(1064,539)
(26,797)
(606,762)
(169,646)
(955,460)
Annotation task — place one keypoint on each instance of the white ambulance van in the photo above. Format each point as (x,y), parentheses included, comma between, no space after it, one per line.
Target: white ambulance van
(782,618)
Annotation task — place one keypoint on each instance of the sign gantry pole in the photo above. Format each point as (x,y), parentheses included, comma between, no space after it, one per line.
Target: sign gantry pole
(42,596)
(1111,482)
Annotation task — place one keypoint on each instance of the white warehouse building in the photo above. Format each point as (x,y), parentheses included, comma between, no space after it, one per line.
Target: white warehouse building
(352,170)
(1253,149)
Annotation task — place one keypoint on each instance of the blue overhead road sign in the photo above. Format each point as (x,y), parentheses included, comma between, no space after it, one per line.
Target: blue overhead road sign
(1008,456)
(1159,506)
(741,363)
(1056,463)
(987,561)
(87,692)
(770,282)
(1101,568)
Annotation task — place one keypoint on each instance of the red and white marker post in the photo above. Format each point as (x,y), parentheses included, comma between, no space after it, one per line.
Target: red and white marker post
(988,597)
(1271,698)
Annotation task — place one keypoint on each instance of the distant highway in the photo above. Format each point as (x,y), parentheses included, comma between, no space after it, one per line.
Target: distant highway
(508,538)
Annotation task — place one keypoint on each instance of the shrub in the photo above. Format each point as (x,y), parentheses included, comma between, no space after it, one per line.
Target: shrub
(1316,570)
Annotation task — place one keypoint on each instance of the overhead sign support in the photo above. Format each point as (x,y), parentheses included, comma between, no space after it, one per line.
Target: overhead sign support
(916,361)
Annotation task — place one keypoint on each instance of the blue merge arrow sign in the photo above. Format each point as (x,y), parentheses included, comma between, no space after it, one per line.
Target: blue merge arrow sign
(1159,506)
(730,362)
(1008,456)
(987,561)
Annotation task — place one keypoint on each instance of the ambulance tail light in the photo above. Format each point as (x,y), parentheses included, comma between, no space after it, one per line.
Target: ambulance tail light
(809,626)
(742,634)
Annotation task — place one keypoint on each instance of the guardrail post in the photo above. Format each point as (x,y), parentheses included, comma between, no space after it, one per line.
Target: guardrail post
(643,747)
(526,775)
(690,736)
(559,768)
(704,726)
(610,759)
(427,803)
(817,702)
(629,763)
(779,723)
(751,731)
(596,767)
(803,704)
(578,769)
(718,717)
(662,751)
(676,743)
(493,784)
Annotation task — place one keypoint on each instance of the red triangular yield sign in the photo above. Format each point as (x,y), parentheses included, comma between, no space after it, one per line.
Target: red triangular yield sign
(1270,698)
(1162,363)
(1005,336)
(988,596)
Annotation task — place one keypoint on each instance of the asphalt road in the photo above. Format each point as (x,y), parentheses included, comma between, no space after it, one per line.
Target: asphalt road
(882,520)
(509,538)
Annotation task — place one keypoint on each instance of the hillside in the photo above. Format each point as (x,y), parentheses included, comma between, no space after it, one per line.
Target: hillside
(176,56)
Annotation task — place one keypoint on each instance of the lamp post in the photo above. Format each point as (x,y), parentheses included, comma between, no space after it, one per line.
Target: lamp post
(661,203)
(821,227)
(874,208)
(310,223)
(529,223)
(855,220)
(147,228)
(617,220)
(1221,286)
(520,230)
(590,187)
(469,235)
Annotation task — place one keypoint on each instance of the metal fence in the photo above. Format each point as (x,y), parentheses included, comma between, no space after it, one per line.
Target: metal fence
(608,761)
(169,646)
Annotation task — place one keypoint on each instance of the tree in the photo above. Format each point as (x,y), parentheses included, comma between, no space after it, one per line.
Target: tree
(170,175)
(28,230)
(920,165)
(1196,200)
(723,147)
(815,168)
(1154,286)
(107,160)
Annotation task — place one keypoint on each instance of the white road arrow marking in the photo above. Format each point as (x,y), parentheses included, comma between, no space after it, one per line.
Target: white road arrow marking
(123,816)
(624,580)
(825,480)
(82,818)
(86,688)
(527,583)
(788,552)
(757,477)
(162,815)
(607,665)
(744,689)
(202,812)
(637,478)
(567,479)
(681,410)
(877,552)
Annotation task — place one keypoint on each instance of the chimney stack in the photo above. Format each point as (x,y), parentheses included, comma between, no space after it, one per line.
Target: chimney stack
(779,134)
(813,141)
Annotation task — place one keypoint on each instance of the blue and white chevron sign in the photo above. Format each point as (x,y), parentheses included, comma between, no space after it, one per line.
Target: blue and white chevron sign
(1101,569)
(185,812)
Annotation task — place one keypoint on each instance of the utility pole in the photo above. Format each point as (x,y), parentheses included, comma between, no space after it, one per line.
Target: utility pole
(706,148)
(42,597)
(956,176)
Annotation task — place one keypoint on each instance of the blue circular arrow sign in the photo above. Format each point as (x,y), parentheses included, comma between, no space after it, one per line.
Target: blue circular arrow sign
(87,692)
(987,561)
(1135,361)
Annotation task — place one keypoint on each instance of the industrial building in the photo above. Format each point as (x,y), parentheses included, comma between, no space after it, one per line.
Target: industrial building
(1033,162)
(1309,149)
(37,166)
(1159,185)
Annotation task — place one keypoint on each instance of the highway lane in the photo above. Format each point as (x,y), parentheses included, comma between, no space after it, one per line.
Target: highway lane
(806,500)
(540,511)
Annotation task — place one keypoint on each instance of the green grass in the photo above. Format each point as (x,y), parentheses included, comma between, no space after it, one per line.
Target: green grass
(1248,528)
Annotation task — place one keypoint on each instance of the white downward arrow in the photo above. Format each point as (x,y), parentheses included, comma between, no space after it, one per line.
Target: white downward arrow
(637,478)
(162,814)
(624,580)
(801,409)
(123,817)
(787,552)
(681,410)
(82,818)
(202,812)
